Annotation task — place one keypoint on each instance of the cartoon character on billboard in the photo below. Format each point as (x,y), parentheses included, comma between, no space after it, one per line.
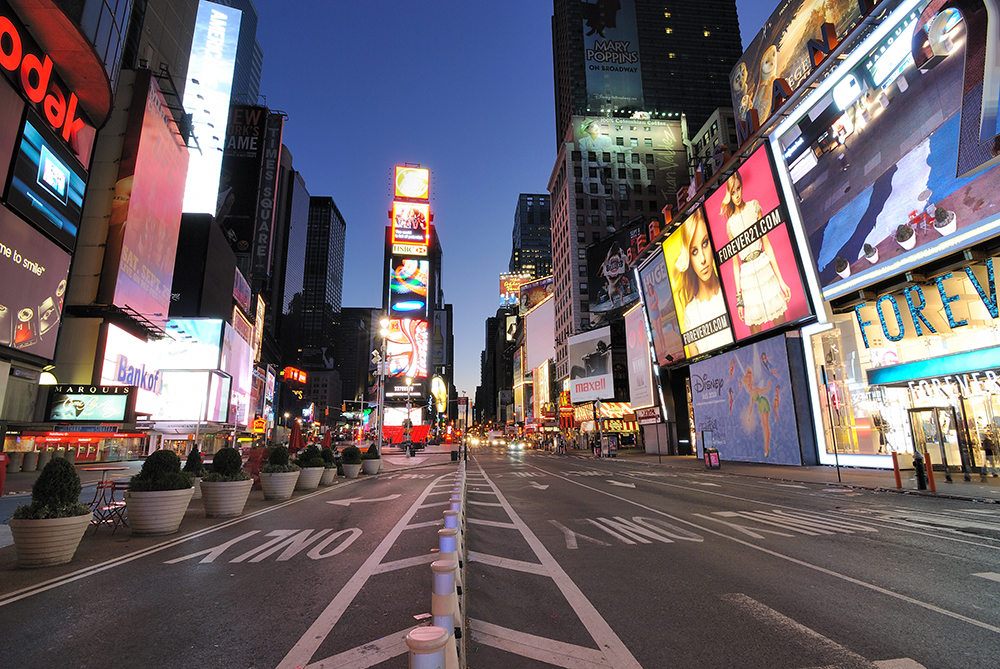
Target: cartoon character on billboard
(760,403)
(699,290)
(618,287)
(761,293)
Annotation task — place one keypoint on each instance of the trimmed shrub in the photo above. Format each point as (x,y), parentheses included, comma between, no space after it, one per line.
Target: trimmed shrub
(351,455)
(310,457)
(55,493)
(277,462)
(371,454)
(227,465)
(193,465)
(160,471)
(329,459)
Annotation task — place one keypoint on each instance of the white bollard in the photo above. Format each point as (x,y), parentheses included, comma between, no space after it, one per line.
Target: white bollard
(449,550)
(444,606)
(427,646)
(451,522)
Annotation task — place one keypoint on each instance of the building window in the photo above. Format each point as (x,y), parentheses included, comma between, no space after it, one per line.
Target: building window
(635,158)
(621,172)
(579,187)
(579,220)
(607,172)
(578,171)
(591,156)
(636,174)
(671,55)
(581,236)
(609,205)
(579,203)
(649,158)
(620,141)
(638,189)
(594,204)
(666,15)
(651,189)
(638,205)
(607,157)
(581,254)
(593,188)
(584,305)
(621,158)
(622,191)
(651,173)
(633,142)
(592,172)
(583,288)
(648,142)
(577,156)
(669,31)
(652,205)
(595,219)
(706,33)
(582,270)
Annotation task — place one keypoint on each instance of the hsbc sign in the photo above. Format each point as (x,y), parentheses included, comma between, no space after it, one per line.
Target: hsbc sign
(32,71)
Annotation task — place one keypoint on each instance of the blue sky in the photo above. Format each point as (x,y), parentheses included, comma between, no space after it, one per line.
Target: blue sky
(462,88)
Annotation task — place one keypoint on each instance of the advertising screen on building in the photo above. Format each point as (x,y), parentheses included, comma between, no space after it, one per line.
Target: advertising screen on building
(590,374)
(609,265)
(89,403)
(534,293)
(237,361)
(540,334)
(48,183)
(696,287)
(33,272)
(760,270)
(510,288)
(880,202)
(742,400)
(611,48)
(412,182)
(408,282)
(146,209)
(410,223)
(659,302)
(640,372)
(239,179)
(267,194)
(407,347)
(206,98)
(781,50)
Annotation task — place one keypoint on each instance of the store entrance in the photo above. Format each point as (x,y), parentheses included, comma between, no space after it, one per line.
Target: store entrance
(936,432)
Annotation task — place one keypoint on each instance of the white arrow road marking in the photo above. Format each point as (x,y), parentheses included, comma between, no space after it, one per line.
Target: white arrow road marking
(538,648)
(538,486)
(354,500)
(623,485)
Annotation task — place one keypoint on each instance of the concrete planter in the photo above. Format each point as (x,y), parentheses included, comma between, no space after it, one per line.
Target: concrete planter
(30,461)
(44,457)
(225,499)
(48,542)
(309,478)
(371,466)
(71,456)
(157,512)
(351,471)
(329,476)
(278,485)
(197,488)
(14,462)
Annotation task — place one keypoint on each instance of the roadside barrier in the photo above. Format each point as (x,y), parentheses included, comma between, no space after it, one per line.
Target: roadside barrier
(445,607)
(427,647)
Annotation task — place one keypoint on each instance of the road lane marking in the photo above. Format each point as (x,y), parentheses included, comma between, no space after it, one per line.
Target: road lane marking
(538,486)
(989,575)
(571,536)
(491,523)
(304,649)
(791,485)
(474,503)
(823,570)
(359,500)
(508,563)
(369,654)
(537,648)
(429,523)
(615,650)
(405,563)
(623,485)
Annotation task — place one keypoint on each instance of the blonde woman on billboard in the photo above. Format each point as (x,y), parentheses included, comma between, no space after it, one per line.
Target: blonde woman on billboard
(761,294)
(700,290)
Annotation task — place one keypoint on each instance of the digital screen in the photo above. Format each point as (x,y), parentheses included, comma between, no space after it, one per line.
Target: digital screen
(410,223)
(609,266)
(48,184)
(83,403)
(510,288)
(237,361)
(406,347)
(413,182)
(640,373)
(759,268)
(659,302)
(590,373)
(33,273)
(408,283)
(696,286)
(534,293)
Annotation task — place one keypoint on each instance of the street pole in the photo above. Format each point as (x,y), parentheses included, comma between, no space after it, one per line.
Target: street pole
(382,366)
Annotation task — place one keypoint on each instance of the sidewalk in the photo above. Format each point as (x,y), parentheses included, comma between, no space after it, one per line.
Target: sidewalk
(977,489)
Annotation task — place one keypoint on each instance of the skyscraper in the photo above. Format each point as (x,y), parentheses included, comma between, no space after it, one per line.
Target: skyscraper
(531,252)
(658,56)
(323,274)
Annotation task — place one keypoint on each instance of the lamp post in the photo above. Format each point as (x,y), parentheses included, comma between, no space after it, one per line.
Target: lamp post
(382,364)
(408,424)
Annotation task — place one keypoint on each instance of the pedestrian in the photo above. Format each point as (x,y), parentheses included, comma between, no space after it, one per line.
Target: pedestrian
(989,455)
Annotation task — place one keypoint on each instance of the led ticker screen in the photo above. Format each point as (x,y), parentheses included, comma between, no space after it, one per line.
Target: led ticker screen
(412,182)
(406,347)
(695,285)
(296,375)
(408,281)
(48,184)
(410,223)
(757,263)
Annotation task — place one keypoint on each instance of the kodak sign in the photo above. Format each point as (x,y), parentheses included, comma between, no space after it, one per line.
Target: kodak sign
(29,68)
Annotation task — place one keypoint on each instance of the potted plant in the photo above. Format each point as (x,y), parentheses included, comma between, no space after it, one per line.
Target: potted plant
(905,237)
(194,467)
(371,461)
(313,467)
(842,267)
(48,531)
(351,461)
(945,221)
(871,253)
(278,476)
(157,497)
(225,490)
(329,467)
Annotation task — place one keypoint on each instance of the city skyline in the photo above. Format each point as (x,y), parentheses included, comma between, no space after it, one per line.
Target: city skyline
(470,97)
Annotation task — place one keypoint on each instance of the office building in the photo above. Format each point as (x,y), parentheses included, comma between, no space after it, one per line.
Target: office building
(531,251)
(323,274)
(662,57)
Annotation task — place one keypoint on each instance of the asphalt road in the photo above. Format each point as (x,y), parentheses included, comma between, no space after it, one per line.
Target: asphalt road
(334,577)
(576,562)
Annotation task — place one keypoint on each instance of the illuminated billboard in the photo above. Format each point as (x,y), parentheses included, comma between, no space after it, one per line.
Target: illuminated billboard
(33,273)
(412,182)
(510,288)
(534,293)
(406,347)
(410,223)
(590,376)
(236,360)
(760,270)
(611,51)
(609,268)
(206,98)
(696,287)
(640,373)
(90,403)
(145,215)
(659,302)
(879,203)
(239,179)
(408,282)
(48,183)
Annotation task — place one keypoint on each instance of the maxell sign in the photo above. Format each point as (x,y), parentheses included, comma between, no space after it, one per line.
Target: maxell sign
(590,366)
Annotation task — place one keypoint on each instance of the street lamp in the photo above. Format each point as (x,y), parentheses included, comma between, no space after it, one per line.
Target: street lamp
(382,365)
